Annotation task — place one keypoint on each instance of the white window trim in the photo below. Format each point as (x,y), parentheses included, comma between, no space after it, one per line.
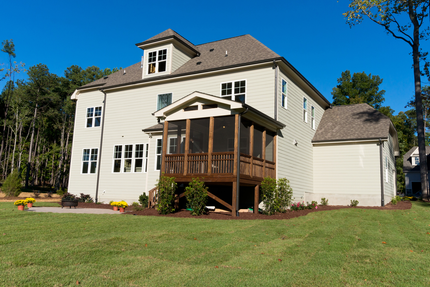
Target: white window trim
(133,158)
(305,111)
(286,94)
(146,157)
(168,51)
(168,142)
(93,117)
(386,168)
(233,96)
(156,154)
(313,123)
(156,100)
(89,161)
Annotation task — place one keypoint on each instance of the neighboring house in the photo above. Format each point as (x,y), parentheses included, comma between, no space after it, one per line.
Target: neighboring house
(230,111)
(411,169)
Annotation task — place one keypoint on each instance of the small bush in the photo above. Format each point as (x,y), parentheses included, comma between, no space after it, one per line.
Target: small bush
(277,195)
(12,184)
(68,196)
(197,195)
(396,199)
(166,194)
(85,198)
(324,201)
(61,191)
(354,202)
(137,207)
(143,199)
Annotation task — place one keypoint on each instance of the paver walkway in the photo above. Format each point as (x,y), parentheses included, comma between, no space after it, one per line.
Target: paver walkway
(73,210)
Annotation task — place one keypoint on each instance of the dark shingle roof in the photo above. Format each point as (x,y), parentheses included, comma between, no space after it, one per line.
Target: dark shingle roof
(133,73)
(352,122)
(169,33)
(407,161)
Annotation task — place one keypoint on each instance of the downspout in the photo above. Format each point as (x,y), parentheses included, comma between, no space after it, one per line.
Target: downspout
(381,162)
(238,162)
(276,67)
(101,145)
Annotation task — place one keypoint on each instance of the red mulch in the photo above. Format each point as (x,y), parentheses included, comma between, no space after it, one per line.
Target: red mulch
(402,205)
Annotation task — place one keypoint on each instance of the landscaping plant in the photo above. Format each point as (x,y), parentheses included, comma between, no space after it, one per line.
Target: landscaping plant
(197,195)
(324,201)
(277,195)
(396,199)
(166,187)
(354,202)
(143,199)
(12,184)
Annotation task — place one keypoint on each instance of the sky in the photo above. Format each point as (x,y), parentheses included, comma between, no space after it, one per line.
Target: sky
(312,35)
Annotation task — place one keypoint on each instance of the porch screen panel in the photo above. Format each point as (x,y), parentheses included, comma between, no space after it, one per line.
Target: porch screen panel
(269,145)
(223,134)
(245,126)
(176,142)
(199,135)
(258,141)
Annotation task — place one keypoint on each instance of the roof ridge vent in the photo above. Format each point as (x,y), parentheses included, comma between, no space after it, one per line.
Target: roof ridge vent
(124,72)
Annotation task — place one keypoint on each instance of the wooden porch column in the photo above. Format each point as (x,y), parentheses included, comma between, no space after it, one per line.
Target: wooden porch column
(163,154)
(236,137)
(187,145)
(251,148)
(264,153)
(234,202)
(256,198)
(211,143)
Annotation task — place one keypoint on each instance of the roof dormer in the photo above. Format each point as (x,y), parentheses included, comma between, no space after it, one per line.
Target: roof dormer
(164,53)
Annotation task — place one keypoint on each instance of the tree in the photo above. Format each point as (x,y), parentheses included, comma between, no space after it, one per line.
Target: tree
(387,14)
(360,88)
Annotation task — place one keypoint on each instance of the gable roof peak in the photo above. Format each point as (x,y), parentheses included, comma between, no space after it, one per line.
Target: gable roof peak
(167,34)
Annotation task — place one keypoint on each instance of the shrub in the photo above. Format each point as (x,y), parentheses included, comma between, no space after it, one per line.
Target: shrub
(396,199)
(137,207)
(302,205)
(277,195)
(68,196)
(143,199)
(354,202)
(61,192)
(12,184)
(85,198)
(324,201)
(197,195)
(166,194)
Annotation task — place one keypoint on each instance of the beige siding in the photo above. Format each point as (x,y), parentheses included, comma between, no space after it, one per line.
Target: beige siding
(389,171)
(84,138)
(295,161)
(343,172)
(178,58)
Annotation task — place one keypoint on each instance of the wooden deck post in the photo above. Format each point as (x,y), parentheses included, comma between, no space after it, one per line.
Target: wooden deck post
(211,143)
(256,198)
(187,145)
(264,153)
(236,138)
(251,149)
(164,149)
(233,202)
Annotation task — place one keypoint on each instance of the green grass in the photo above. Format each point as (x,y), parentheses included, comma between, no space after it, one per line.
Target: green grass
(333,248)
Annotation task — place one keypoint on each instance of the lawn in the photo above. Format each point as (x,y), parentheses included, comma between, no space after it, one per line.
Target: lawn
(331,248)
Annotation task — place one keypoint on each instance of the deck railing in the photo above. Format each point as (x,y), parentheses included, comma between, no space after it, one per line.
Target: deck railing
(221,163)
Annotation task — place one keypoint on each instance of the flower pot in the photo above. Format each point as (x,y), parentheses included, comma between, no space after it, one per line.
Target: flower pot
(30,204)
(115,208)
(69,203)
(121,209)
(21,207)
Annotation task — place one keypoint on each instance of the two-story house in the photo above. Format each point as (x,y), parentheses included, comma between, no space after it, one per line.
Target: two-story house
(230,111)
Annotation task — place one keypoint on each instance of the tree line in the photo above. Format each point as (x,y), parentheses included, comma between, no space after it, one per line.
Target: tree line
(37,119)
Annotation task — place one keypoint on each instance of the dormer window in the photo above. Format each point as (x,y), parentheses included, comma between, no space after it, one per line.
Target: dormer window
(157,61)
(417,160)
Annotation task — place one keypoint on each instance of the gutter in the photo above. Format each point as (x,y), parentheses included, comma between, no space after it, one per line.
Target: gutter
(381,162)
(238,163)
(101,145)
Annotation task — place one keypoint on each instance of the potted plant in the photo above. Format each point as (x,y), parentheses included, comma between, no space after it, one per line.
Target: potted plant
(69,200)
(122,205)
(115,205)
(20,204)
(29,201)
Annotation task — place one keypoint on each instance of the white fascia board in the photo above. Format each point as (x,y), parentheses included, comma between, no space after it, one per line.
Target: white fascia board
(349,141)
(75,95)
(162,113)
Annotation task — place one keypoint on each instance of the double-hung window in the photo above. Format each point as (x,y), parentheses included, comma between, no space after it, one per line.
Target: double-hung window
(284,99)
(89,160)
(157,61)
(235,91)
(158,152)
(164,100)
(305,110)
(313,117)
(94,117)
(129,158)
(386,169)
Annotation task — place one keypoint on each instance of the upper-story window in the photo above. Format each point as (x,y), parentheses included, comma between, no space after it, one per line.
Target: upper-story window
(417,160)
(305,110)
(235,91)
(313,117)
(94,117)
(284,100)
(157,61)
(164,100)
